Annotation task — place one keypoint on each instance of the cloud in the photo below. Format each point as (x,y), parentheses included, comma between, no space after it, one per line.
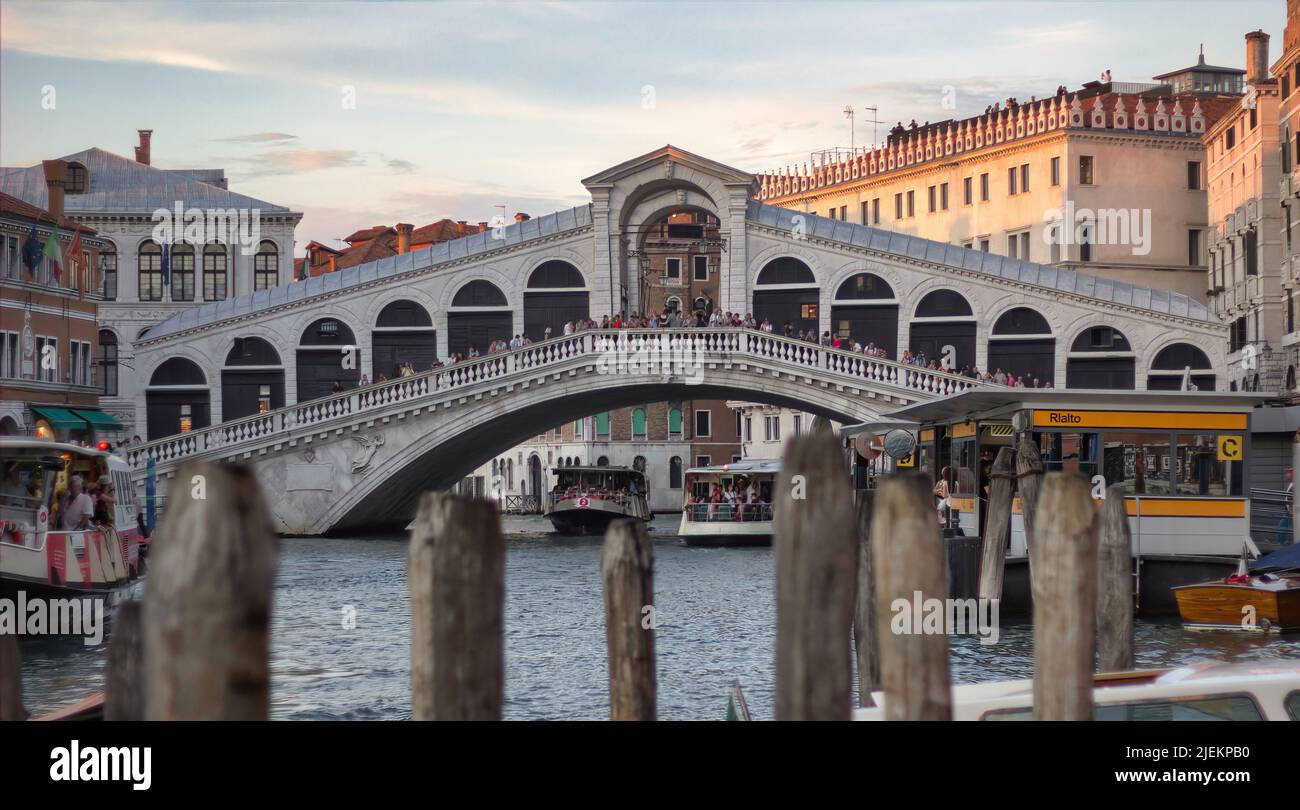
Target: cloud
(401,166)
(296,161)
(259,137)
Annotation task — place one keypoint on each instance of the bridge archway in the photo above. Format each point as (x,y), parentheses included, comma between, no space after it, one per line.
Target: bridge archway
(479,315)
(786,291)
(177,399)
(403,332)
(866,310)
(556,294)
(322,360)
(944,318)
(1166,372)
(1022,344)
(1101,357)
(252,379)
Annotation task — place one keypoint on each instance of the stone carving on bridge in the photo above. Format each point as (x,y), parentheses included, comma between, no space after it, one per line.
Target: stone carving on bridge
(366,448)
(309,455)
(669,168)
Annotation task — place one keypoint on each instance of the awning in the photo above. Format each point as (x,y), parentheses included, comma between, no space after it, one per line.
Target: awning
(98,419)
(60,417)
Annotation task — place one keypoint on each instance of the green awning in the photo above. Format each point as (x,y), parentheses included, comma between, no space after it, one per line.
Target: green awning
(60,417)
(98,419)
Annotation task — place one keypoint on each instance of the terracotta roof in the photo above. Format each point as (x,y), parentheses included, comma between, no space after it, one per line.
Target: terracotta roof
(13,206)
(366,234)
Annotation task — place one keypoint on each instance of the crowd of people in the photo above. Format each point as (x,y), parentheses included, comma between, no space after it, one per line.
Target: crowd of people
(740,502)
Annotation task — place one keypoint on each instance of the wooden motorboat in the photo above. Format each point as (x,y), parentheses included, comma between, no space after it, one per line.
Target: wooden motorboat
(1263,596)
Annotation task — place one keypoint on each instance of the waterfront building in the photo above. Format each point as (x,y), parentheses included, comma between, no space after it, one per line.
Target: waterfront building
(50,377)
(1107,179)
(766,428)
(225,246)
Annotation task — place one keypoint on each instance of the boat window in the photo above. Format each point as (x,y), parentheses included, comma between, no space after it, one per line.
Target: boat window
(1200,470)
(966,464)
(1225,707)
(1293,705)
(1138,461)
(1069,452)
(24,482)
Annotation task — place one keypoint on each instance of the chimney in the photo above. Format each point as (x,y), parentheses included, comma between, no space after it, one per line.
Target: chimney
(1256,57)
(462,227)
(332,268)
(142,151)
(522,217)
(482,227)
(55,172)
(404,237)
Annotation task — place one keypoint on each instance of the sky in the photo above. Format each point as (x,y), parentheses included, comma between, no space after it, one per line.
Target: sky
(359,114)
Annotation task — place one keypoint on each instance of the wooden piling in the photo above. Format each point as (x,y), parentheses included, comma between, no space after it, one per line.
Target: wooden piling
(457,580)
(998,526)
(1065,599)
(207,609)
(1029,474)
(627,573)
(11,679)
(124,685)
(815,551)
(865,642)
(907,553)
(1114,585)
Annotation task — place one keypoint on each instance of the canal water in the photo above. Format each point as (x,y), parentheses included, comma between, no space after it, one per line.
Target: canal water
(341,632)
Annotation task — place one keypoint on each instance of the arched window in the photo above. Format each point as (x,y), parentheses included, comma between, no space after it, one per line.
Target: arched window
(1021,321)
(603,461)
(177,399)
(76,180)
(215,273)
(403,315)
(555,273)
(182,272)
(673,304)
(252,351)
(602,425)
(403,333)
(107,363)
(864,286)
(479,293)
(1172,363)
(943,326)
(638,464)
(1022,345)
(266,266)
(943,304)
(510,473)
(786,270)
(638,423)
(675,472)
(149,267)
(675,422)
(1290,378)
(1101,357)
(108,269)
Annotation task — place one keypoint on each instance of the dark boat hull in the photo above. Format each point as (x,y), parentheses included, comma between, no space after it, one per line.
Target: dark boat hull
(568,518)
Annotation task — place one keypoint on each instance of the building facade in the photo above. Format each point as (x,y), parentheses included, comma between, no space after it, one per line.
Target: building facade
(214,245)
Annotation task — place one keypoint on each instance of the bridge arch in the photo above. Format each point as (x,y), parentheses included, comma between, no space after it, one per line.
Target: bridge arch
(554,294)
(865,310)
(1101,356)
(944,317)
(177,399)
(1021,342)
(327,354)
(480,314)
(786,291)
(252,378)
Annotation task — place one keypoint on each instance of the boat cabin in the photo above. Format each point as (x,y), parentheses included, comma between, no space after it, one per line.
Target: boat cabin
(752,481)
(608,483)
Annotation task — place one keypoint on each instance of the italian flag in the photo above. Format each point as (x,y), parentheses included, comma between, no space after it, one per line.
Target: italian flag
(52,253)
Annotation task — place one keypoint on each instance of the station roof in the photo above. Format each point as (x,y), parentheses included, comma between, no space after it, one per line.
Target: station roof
(750,465)
(996,403)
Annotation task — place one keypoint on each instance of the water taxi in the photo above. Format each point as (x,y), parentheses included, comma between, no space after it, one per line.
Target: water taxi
(1260,596)
(38,554)
(585,500)
(710,518)
(1256,690)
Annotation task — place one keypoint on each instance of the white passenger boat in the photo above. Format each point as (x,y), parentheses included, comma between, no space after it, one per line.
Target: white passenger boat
(37,556)
(710,519)
(585,500)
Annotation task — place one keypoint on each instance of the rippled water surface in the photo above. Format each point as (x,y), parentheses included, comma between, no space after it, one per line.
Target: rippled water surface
(341,632)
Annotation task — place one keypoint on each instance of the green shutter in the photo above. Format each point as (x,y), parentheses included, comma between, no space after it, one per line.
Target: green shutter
(638,422)
(602,424)
(675,420)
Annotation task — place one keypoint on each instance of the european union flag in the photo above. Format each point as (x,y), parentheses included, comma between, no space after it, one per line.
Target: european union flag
(167,265)
(32,252)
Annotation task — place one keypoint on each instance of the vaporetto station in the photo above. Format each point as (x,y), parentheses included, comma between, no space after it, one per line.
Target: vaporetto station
(360,456)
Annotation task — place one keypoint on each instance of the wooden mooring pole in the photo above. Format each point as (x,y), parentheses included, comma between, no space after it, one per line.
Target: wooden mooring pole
(907,553)
(1065,599)
(1029,472)
(865,642)
(815,552)
(207,609)
(627,573)
(993,560)
(124,688)
(1114,585)
(456,575)
(11,679)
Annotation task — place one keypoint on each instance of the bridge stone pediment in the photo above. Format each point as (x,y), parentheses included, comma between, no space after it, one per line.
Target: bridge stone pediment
(667,162)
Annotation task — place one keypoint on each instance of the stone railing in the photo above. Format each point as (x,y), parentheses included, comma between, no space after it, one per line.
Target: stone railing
(615,351)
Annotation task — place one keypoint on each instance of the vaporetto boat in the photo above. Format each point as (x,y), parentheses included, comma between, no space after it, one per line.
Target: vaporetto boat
(585,500)
(710,518)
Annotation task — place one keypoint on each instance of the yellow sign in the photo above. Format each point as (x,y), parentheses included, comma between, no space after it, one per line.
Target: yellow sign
(1230,448)
(1140,419)
(906,461)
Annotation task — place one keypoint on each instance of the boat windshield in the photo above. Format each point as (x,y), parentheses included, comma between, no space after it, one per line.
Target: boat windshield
(26,481)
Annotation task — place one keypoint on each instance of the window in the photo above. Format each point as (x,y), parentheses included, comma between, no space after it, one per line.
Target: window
(911,203)
(1193,247)
(638,423)
(1251,244)
(703,427)
(577,428)
(182,273)
(1137,461)
(266,267)
(966,191)
(1231,707)
(984,245)
(107,363)
(898,205)
(108,267)
(933,194)
(79,362)
(984,187)
(1085,170)
(1254,117)
(1069,452)
(844,213)
(701,268)
(1085,243)
(1011,181)
(703,461)
(738,419)
(149,266)
(1230,137)
(215,275)
(798,424)
(673,267)
(1056,171)
(675,472)
(943,196)
(558,433)
(47,369)
(749,428)
(875,211)
(602,425)
(74,182)
(1024,178)
(1018,245)
(866,213)
(1194,175)
(264,401)
(772,428)
(187,419)
(1197,470)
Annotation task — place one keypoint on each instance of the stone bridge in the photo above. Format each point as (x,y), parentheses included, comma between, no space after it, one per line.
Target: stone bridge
(360,458)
